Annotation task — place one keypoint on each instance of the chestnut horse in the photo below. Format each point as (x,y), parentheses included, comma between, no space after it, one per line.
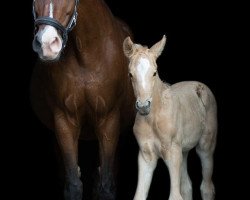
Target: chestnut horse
(80,88)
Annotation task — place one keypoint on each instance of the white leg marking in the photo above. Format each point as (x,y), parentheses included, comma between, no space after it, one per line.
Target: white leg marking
(79,172)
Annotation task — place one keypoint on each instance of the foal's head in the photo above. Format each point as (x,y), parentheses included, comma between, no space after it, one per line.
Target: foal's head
(53,20)
(143,71)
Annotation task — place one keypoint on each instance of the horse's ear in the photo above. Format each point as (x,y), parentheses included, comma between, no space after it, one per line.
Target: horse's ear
(157,48)
(128,47)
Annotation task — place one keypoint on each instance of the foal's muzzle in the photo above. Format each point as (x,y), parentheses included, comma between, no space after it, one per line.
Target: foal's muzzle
(143,107)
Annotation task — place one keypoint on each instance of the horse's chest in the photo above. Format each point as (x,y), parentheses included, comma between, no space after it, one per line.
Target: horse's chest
(88,90)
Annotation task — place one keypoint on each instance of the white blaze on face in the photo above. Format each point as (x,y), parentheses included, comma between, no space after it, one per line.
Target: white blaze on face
(51,7)
(142,69)
(47,34)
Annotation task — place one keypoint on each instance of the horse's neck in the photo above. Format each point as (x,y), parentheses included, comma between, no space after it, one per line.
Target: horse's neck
(94,30)
(94,24)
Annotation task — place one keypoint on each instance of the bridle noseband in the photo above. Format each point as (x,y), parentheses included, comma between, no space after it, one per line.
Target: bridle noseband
(56,24)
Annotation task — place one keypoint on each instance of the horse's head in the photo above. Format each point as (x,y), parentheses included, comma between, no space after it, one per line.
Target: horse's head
(53,20)
(143,71)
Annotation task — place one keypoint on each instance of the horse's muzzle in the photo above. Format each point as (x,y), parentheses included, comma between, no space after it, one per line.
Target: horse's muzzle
(47,43)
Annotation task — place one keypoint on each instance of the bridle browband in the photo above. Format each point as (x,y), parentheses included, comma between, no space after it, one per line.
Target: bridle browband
(56,24)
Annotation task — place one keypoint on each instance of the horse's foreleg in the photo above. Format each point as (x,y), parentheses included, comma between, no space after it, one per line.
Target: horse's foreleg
(67,136)
(108,134)
(174,162)
(146,165)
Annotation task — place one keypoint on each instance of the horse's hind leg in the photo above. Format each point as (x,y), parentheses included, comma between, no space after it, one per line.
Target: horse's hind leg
(186,184)
(205,150)
(67,136)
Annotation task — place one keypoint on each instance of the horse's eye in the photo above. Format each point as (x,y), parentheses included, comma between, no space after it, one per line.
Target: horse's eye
(155,74)
(130,75)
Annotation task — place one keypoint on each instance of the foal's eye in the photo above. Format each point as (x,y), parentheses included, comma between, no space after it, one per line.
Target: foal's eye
(155,74)
(130,75)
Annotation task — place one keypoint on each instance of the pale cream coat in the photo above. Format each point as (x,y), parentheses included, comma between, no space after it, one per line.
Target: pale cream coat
(170,121)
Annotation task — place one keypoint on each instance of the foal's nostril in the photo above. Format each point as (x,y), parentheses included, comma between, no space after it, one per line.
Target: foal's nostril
(137,105)
(140,105)
(148,105)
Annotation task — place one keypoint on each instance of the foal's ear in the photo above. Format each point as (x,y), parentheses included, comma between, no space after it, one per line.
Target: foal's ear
(157,48)
(128,47)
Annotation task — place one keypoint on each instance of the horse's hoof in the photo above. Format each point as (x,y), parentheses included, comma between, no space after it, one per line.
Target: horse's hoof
(73,191)
(106,194)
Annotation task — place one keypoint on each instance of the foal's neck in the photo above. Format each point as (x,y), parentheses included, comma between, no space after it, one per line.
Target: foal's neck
(158,90)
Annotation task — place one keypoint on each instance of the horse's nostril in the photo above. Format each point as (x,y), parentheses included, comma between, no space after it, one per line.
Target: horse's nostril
(55,45)
(37,42)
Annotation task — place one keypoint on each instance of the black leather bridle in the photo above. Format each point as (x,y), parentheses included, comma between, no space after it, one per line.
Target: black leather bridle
(56,24)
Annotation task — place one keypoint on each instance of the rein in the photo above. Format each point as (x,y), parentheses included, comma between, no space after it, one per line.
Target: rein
(56,24)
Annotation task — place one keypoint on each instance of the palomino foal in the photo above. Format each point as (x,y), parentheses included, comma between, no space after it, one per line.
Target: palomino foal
(170,121)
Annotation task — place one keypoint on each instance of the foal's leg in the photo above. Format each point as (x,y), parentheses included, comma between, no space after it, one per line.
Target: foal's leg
(174,161)
(108,134)
(186,184)
(207,186)
(146,164)
(67,136)
(205,150)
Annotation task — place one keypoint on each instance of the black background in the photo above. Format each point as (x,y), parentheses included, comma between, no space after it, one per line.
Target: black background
(202,45)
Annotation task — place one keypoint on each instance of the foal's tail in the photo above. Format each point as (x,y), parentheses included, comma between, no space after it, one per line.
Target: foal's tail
(206,96)
(208,140)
